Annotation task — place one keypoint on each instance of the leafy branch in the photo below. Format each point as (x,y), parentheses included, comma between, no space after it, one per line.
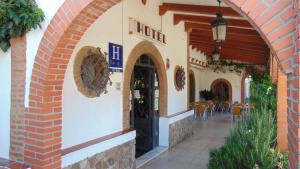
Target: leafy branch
(234,67)
(17,17)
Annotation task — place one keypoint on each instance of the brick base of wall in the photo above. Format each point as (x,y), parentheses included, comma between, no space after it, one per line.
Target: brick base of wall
(180,130)
(120,157)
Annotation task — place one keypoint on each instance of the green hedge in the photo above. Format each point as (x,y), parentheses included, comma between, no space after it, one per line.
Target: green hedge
(252,143)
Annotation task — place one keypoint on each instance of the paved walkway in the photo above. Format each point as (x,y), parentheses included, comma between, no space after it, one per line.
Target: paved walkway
(193,153)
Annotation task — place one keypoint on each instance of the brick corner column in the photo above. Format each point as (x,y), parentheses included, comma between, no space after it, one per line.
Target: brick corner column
(294,97)
(282,111)
(17,107)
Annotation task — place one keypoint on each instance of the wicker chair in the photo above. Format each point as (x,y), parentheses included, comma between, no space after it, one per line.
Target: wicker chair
(200,110)
(226,107)
(236,111)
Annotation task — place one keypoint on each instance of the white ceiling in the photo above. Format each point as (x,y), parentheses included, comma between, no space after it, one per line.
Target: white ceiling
(196,2)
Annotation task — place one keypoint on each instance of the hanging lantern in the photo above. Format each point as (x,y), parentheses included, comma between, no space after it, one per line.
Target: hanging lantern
(219,27)
(216,55)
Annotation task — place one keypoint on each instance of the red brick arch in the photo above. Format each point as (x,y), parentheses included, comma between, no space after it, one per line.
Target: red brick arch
(43,118)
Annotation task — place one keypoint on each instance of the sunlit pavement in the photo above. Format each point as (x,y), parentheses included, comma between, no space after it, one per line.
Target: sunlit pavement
(193,153)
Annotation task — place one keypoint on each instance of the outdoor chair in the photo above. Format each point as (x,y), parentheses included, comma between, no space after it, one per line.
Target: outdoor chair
(200,110)
(211,108)
(226,107)
(236,112)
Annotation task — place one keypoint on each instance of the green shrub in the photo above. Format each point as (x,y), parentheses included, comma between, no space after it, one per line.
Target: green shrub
(263,92)
(17,17)
(252,143)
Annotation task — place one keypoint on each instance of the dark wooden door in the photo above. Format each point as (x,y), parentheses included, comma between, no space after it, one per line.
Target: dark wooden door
(145,107)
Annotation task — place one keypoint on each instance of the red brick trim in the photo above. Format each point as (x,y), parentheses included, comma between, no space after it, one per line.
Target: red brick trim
(177,114)
(44,115)
(17,107)
(148,48)
(95,141)
(214,83)
(274,20)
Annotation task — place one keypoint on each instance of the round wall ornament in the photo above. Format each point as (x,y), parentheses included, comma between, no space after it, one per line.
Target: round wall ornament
(91,71)
(179,78)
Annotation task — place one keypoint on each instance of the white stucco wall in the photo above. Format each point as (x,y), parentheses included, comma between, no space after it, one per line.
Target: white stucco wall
(197,72)
(34,37)
(205,77)
(93,117)
(175,50)
(5,88)
(97,117)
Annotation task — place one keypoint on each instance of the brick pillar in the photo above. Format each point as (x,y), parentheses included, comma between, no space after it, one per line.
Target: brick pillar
(17,108)
(282,111)
(294,98)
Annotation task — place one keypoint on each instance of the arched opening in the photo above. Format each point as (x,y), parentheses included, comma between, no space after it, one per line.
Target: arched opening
(47,80)
(144,48)
(192,87)
(222,90)
(144,112)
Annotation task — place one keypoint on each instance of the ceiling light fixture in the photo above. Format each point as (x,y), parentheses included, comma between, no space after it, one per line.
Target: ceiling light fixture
(219,26)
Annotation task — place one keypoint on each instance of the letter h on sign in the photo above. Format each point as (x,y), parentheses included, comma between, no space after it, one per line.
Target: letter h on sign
(115,57)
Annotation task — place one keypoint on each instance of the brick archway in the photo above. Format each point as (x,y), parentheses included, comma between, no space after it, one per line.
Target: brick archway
(150,50)
(214,83)
(43,117)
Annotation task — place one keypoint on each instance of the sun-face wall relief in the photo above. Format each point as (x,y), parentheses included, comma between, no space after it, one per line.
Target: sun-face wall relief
(91,72)
(179,78)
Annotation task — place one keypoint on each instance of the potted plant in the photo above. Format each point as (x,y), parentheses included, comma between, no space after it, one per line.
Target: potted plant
(206,95)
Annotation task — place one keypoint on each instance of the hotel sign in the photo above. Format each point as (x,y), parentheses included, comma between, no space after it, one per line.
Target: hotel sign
(115,53)
(145,31)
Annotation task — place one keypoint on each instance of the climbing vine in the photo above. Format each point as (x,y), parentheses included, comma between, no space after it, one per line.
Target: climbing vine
(223,66)
(17,17)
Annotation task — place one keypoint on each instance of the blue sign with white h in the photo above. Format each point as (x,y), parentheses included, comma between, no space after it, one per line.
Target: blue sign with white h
(115,57)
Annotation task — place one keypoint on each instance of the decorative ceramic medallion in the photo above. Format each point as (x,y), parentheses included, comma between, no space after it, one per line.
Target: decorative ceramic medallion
(91,72)
(179,78)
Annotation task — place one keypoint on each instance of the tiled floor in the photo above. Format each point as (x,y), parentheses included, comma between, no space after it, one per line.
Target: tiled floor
(193,153)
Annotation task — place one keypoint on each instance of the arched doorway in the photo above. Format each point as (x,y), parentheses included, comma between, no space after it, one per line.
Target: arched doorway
(144,63)
(192,87)
(222,90)
(144,112)
(144,48)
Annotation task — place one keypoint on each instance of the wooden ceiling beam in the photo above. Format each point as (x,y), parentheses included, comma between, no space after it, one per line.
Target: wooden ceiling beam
(208,20)
(197,9)
(241,41)
(239,57)
(251,60)
(253,39)
(190,26)
(239,52)
(230,44)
